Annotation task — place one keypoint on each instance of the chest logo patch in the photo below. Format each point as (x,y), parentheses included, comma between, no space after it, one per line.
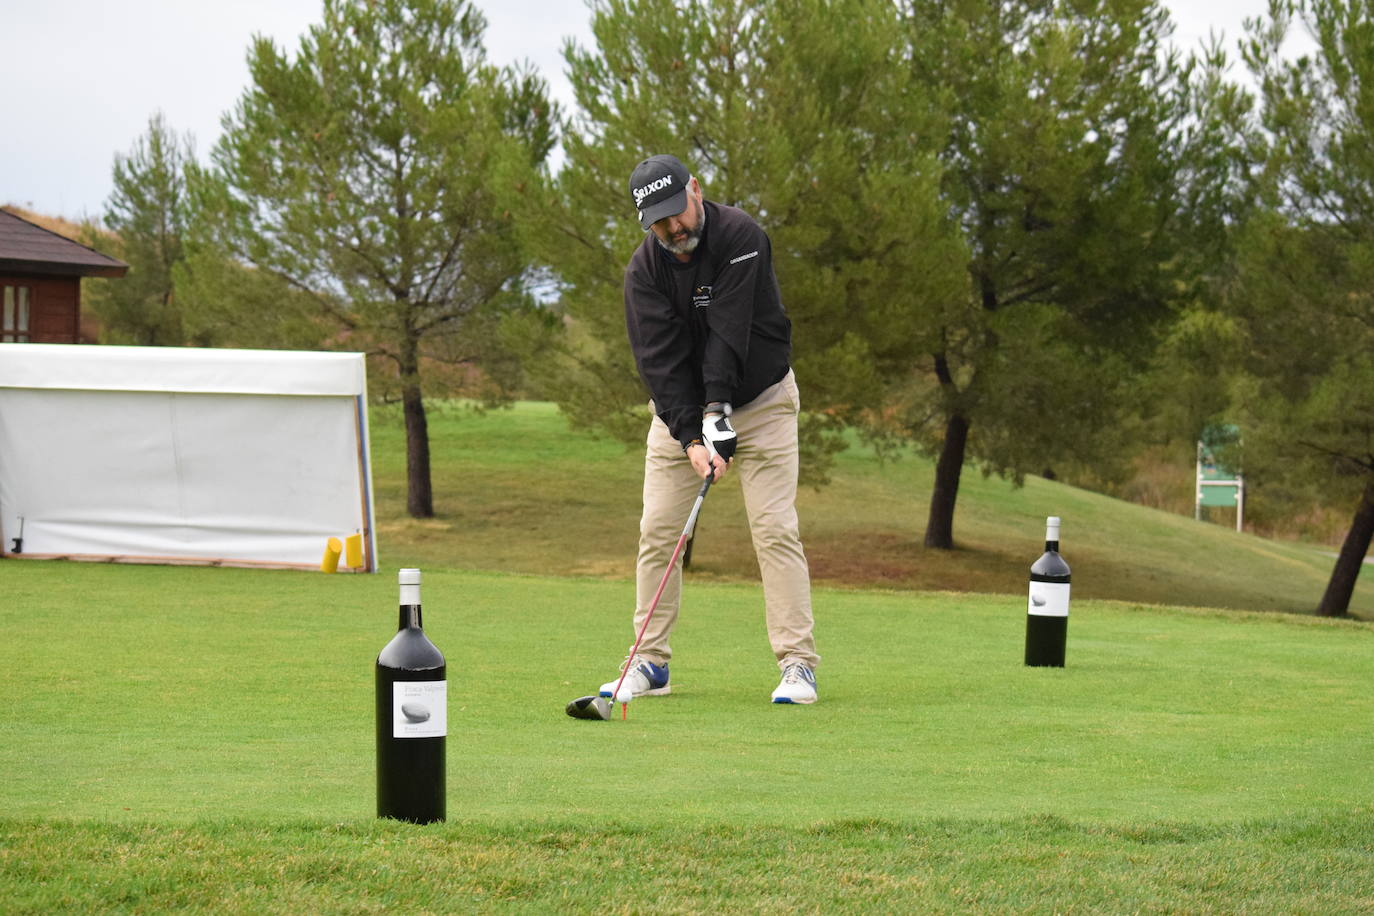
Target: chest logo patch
(701,297)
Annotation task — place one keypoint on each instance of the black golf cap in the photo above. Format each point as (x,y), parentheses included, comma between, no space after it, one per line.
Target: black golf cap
(659,188)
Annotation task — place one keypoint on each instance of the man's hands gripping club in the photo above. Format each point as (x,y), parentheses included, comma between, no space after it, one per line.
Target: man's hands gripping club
(713,456)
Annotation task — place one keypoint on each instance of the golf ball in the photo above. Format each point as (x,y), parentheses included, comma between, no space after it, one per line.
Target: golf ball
(624,696)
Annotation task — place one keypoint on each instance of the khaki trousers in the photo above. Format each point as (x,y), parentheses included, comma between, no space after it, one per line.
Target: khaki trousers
(766,462)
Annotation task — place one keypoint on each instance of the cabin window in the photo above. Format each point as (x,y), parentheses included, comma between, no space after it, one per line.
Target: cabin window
(15,327)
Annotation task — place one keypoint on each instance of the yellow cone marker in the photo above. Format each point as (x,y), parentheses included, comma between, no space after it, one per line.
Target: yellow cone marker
(353,551)
(332,548)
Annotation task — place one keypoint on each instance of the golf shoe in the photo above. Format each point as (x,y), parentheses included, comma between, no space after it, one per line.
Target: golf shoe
(644,679)
(798,685)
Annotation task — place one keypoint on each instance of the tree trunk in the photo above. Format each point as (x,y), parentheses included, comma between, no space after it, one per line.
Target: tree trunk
(419,494)
(1336,601)
(940,524)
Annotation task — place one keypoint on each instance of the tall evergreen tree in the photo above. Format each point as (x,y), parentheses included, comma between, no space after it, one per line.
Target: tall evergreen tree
(1308,269)
(372,173)
(1063,172)
(147,213)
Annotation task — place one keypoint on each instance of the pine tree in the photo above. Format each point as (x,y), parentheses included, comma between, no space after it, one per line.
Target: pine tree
(147,212)
(1062,170)
(371,172)
(1308,268)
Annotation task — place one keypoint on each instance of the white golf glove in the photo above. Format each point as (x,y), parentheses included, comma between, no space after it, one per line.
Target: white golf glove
(717,432)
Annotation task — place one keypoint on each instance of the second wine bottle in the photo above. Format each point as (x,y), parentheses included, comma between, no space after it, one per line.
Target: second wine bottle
(1047,610)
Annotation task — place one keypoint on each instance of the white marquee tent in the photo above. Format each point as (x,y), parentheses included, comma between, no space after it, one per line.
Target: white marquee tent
(171,455)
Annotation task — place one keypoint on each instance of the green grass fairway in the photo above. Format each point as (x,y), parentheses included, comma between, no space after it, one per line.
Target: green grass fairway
(202,739)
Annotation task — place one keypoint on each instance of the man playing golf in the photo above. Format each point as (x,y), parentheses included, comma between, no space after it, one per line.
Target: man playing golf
(712,343)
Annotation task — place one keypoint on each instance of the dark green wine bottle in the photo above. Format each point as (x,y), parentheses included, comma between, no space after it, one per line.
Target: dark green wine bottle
(1047,611)
(412,717)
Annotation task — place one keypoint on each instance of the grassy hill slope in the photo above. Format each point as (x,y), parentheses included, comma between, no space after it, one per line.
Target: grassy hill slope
(518,491)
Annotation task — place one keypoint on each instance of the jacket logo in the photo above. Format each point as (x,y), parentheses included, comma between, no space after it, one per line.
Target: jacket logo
(651,187)
(701,297)
(744,257)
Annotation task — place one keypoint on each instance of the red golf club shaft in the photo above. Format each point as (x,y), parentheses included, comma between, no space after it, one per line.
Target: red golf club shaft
(663,583)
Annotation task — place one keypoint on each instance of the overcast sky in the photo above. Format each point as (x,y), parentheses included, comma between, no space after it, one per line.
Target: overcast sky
(80,78)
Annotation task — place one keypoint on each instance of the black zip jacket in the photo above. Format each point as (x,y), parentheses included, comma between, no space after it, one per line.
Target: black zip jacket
(710,329)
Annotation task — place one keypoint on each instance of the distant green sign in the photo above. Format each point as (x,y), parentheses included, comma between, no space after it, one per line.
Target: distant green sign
(1223,496)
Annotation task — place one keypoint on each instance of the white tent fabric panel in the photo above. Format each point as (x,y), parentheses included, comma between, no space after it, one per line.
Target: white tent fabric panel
(172,481)
(151,473)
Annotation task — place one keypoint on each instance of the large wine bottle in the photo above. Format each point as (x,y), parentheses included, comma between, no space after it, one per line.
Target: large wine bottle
(412,717)
(1047,611)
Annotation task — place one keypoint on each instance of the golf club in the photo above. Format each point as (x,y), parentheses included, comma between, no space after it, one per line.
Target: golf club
(591,707)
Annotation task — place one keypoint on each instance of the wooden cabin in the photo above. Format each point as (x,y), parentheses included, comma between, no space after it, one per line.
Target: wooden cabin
(40,282)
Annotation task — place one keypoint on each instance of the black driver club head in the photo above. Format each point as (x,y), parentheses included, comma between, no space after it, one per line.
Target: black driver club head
(592,707)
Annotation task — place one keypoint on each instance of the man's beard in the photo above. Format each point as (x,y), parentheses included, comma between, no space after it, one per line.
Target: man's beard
(689,244)
(686,246)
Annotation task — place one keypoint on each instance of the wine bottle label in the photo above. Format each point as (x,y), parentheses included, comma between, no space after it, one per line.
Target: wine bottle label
(1049,599)
(419,709)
